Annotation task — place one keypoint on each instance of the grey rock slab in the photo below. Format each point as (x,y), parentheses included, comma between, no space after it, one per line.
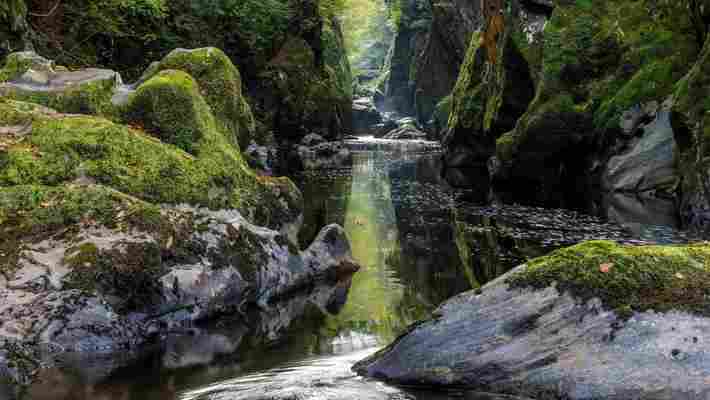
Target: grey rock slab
(545,344)
(649,163)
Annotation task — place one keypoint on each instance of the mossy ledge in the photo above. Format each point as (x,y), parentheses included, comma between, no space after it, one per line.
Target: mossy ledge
(637,278)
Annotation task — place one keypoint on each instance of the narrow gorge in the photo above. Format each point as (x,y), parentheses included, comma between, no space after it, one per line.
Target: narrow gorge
(354,199)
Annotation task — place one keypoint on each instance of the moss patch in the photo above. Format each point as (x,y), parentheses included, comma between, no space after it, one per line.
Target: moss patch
(221,85)
(63,148)
(16,64)
(31,213)
(661,278)
(170,106)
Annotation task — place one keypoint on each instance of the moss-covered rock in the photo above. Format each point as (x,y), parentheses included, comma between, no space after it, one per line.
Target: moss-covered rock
(69,148)
(16,64)
(170,106)
(626,278)
(253,34)
(29,77)
(597,61)
(565,318)
(221,85)
(307,87)
(487,98)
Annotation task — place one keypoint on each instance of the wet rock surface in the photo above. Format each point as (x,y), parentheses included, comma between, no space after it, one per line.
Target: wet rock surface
(406,133)
(224,268)
(648,164)
(314,153)
(365,116)
(548,345)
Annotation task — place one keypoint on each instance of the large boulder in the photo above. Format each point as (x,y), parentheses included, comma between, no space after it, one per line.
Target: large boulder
(168,105)
(120,227)
(597,320)
(101,271)
(221,85)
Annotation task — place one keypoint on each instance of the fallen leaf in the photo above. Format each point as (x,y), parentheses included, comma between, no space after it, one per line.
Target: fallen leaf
(605,268)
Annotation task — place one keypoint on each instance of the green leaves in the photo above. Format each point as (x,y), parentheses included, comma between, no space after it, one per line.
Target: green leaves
(14,12)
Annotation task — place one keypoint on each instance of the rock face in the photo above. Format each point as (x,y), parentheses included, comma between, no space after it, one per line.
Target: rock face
(307,86)
(541,110)
(690,123)
(488,99)
(648,165)
(409,41)
(550,341)
(438,66)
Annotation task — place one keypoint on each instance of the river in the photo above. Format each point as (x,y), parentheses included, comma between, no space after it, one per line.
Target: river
(419,242)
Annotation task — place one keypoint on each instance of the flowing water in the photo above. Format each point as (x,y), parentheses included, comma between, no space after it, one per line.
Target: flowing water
(419,242)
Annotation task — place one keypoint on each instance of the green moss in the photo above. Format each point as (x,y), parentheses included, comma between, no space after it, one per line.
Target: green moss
(467,102)
(16,64)
(62,148)
(661,278)
(30,213)
(613,56)
(84,255)
(170,106)
(505,147)
(442,111)
(221,85)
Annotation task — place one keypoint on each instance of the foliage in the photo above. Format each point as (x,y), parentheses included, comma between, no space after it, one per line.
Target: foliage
(14,12)
(395,13)
(261,20)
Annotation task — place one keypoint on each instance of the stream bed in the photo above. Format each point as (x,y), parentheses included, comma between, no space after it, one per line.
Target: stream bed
(419,242)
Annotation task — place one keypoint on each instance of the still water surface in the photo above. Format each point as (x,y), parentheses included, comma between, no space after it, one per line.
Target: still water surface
(419,242)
